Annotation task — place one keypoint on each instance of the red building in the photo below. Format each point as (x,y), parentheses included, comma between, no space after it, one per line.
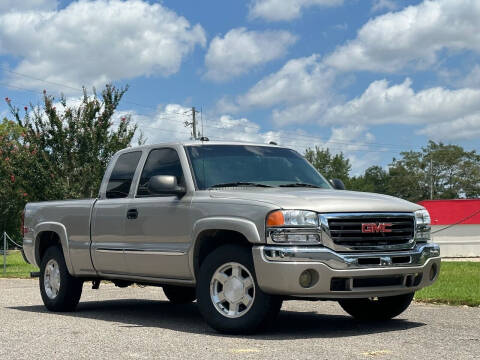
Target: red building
(455,226)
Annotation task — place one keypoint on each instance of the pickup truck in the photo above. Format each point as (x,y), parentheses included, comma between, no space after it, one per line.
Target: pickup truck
(239,228)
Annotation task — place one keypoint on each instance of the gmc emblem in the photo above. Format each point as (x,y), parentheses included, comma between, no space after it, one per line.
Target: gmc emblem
(376,228)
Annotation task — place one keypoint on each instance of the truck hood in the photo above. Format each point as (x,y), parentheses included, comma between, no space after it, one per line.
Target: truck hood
(319,200)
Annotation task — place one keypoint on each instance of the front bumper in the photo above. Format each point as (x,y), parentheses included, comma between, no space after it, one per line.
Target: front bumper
(345,275)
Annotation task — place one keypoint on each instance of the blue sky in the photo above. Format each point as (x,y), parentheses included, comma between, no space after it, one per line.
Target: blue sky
(366,77)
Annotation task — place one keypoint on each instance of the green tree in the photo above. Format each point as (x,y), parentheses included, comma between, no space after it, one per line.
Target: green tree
(13,156)
(329,165)
(439,171)
(375,179)
(68,146)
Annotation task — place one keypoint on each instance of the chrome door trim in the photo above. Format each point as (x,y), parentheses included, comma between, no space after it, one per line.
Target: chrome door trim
(143,252)
(154,252)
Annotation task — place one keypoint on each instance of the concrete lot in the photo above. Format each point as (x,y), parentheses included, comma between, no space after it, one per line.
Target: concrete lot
(138,323)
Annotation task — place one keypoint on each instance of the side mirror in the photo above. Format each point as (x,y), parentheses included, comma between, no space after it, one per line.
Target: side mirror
(165,185)
(338,184)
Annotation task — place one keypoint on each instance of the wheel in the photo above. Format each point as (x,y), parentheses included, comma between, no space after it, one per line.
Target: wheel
(228,295)
(60,291)
(179,294)
(382,308)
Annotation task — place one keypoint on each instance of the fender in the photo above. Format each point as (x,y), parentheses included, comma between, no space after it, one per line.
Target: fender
(246,227)
(61,231)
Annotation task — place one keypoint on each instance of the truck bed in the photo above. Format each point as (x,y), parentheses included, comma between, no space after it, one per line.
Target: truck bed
(73,215)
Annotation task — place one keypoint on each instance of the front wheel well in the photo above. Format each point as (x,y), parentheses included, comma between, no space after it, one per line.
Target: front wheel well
(46,239)
(209,240)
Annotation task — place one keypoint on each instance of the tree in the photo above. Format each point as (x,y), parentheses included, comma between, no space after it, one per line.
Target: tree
(439,171)
(375,179)
(13,155)
(66,148)
(331,166)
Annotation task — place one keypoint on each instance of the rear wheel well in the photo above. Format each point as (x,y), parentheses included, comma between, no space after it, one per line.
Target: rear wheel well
(209,240)
(45,240)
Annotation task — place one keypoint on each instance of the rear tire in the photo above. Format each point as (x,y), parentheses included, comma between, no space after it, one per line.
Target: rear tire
(60,291)
(228,295)
(179,294)
(382,308)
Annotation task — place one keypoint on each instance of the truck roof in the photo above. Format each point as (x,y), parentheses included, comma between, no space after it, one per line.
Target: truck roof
(197,143)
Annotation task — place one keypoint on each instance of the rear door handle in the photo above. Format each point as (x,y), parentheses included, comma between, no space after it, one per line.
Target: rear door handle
(132,214)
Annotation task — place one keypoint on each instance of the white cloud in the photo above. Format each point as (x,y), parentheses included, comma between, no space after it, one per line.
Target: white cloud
(379,5)
(446,114)
(240,50)
(467,127)
(413,36)
(168,124)
(94,42)
(26,5)
(352,140)
(279,10)
(299,91)
(472,79)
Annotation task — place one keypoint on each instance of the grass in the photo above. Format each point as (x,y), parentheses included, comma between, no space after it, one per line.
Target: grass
(458,284)
(16,266)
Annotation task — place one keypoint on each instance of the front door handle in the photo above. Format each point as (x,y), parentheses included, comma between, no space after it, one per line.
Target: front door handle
(132,214)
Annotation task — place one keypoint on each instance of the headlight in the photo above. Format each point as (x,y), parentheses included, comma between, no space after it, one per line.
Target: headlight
(422,217)
(292,218)
(293,227)
(422,230)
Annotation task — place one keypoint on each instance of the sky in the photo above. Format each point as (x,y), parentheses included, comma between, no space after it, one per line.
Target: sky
(369,78)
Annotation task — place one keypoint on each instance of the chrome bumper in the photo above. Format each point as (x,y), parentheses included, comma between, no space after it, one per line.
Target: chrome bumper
(345,275)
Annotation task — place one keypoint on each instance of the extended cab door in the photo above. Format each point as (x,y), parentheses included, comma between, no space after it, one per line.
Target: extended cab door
(110,214)
(157,240)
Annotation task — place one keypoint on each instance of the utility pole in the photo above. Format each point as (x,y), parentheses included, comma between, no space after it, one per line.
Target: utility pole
(431,177)
(193,124)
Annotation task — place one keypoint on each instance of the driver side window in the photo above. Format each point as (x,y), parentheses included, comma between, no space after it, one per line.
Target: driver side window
(160,162)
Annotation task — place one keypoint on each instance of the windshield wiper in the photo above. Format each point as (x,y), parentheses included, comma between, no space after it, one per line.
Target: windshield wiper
(300,184)
(238,183)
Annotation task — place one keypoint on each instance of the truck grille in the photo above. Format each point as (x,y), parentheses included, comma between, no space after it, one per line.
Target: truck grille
(346,230)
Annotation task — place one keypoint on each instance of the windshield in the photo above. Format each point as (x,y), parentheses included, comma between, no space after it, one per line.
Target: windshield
(215,165)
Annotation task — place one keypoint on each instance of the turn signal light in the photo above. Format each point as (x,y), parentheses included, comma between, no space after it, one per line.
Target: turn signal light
(275,218)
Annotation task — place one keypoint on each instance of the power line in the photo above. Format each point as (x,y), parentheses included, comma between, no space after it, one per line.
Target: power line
(458,222)
(164,116)
(64,86)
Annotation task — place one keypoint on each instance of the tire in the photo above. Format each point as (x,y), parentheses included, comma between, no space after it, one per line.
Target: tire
(235,279)
(179,294)
(383,308)
(60,291)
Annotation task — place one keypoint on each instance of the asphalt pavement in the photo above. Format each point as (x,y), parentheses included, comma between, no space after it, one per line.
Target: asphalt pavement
(139,323)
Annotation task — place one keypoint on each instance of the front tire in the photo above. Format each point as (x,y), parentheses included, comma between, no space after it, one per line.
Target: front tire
(60,291)
(228,295)
(377,309)
(179,294)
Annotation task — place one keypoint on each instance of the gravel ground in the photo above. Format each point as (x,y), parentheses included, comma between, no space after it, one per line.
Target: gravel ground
(139,323)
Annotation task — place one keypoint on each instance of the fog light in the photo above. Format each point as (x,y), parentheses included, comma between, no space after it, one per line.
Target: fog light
(305,279)
(433,272)
(308,278)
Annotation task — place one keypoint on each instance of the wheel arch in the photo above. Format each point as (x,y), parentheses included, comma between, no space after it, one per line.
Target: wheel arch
(208,234)
(49,234)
